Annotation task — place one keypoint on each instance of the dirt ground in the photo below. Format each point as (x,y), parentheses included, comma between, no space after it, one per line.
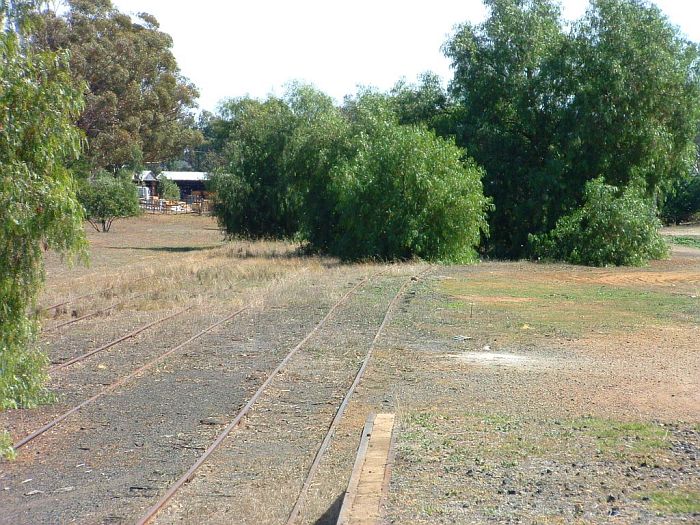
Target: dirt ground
(525,393)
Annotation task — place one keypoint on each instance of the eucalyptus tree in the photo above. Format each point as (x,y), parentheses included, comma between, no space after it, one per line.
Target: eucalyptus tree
(39,103)
(546,108)
(138,104)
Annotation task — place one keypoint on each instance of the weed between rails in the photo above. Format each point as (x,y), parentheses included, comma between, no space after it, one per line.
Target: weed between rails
(6,450)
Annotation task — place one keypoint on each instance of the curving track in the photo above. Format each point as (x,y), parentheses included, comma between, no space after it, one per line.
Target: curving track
(114,455)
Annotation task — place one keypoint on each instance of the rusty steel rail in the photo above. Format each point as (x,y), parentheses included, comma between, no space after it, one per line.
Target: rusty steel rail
(59,366)
(294,514)
(153,511)
(125,379)
(73,299)
(91,314)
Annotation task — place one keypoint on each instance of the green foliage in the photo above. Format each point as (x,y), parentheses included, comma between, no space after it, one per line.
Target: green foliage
(503,81)
(6,450)
(322,138)
(350,181)
(209,156)
(610,228)
(426,103)
(254,200)
(676,501)
(692,242)
(167,189)
(682,203)
(544,109)
(38,206)
(106,198)
(137,104)
(407,193)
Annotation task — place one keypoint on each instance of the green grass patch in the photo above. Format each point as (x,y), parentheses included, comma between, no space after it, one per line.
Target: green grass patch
(498,422)
(422,420)
(693,242)
(562,309)
(676,502)
(6,450)
(623,439)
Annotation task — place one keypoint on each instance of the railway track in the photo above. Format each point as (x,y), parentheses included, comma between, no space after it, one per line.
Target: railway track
(325,444)
(85,296)
(58,366)
(123,380)
(95,313)
(293,515)
(159,363)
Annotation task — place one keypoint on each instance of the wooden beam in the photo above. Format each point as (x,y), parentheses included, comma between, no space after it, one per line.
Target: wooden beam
(370,474)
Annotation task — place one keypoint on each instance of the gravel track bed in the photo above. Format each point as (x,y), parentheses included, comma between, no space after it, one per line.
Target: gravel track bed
(86,378)
(111,460)
(256,476)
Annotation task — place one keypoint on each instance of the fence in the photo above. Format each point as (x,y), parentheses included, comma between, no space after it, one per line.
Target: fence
(191,204)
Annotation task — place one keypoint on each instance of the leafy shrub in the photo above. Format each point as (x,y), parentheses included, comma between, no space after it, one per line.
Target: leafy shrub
(39,102)
(610,228)
(683,202)
(321,139)
(6,450)
(255,200)
(407,193)
(167,189)
(352,182)
(231,193)
(107,198)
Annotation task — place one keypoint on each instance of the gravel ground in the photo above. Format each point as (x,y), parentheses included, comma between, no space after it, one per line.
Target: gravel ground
(108,462)
(257,475)
(525,393)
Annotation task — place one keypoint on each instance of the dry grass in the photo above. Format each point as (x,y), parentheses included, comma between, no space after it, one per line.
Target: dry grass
(192,266)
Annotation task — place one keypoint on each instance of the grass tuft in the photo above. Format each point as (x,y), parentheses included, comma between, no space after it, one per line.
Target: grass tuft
(693,242)
(676,502)
(624,439)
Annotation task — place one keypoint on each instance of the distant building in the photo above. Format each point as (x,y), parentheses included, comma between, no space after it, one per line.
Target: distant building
(188,181)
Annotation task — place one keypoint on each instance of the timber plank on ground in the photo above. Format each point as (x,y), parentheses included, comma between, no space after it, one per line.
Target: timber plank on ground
(363,497)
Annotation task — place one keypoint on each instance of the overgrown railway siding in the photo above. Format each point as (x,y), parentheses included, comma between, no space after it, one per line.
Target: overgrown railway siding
(258,473)
(160,420)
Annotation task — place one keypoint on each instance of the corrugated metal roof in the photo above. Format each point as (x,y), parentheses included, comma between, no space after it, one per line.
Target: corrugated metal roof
(147,176)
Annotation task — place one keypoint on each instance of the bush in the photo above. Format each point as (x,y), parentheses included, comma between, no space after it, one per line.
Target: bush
(683,202)
(167,189)
(321,139)
(610,228)
(107,198)
(255,199)
(351,182)
(230,195)
(407,193)
(39,102)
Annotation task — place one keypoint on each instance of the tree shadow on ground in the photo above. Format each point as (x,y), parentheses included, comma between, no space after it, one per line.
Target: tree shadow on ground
(167,249)
(330,517)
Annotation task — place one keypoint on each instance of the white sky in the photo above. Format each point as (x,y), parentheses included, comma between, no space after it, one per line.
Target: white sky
(232,48)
